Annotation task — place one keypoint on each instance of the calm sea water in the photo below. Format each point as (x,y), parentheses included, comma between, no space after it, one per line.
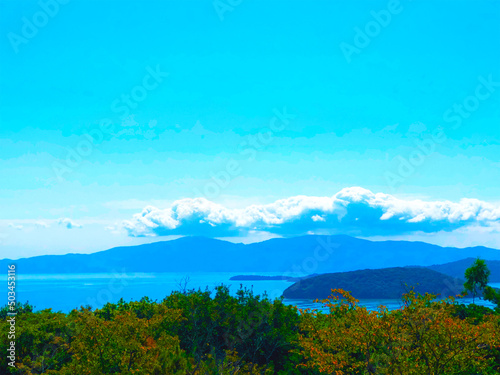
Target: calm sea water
(64,292)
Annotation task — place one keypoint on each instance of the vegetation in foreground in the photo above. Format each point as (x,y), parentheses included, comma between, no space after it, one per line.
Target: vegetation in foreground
(195,332)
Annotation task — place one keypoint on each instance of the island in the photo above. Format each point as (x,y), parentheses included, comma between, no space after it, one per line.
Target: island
(384,283)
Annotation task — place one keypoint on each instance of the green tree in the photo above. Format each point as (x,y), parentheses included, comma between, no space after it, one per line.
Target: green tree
(476,277)
(490,294)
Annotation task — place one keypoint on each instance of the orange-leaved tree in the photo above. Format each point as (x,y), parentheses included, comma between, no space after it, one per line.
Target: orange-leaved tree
(423,337)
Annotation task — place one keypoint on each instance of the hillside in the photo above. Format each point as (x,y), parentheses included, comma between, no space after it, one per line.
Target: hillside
(307,254)
(457,269)
(376,284)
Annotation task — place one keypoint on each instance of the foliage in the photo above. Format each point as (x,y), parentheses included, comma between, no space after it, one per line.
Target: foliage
(125,344)
(260,330)
(492,295)
(422,338)
(20,308)
(205,333)
(474,313)
(189,332)
(42,342)
(476,277)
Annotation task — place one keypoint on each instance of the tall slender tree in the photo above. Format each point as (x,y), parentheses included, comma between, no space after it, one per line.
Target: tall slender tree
(476,277)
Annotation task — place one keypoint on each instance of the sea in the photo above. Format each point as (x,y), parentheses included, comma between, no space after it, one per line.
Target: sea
(65,292)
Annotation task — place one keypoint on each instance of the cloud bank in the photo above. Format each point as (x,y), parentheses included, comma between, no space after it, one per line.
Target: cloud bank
(352,210)
(68,223)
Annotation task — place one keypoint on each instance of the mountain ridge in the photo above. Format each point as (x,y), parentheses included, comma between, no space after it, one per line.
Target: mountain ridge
(457,268)
(304,254)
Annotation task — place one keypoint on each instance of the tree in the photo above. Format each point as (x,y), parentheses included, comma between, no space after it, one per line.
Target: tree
(476,277)
(490,294)
(422,337)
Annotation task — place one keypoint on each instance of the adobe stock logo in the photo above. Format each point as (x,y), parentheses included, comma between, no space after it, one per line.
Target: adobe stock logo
(249,148)
(455,115)
(139,93)
(223,6)
(48,10)
(363,37)
(123,105)
(460,111)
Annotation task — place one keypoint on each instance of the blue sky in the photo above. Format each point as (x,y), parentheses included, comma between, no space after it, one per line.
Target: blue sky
(109,107)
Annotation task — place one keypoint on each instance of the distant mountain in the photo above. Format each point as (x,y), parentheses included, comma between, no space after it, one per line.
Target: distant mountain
(285,256)
(376,284)
(457,269)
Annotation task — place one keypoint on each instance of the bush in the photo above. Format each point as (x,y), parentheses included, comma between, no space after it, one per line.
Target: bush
(259,330)
(424,337)
(197,333)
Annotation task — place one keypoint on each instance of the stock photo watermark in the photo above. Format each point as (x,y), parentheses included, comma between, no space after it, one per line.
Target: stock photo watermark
(32,25)
(122,106)
(454,115)
(11,315)
(115,285)
(248,148)
(323,251)
(221,7)
(310,264)
(364,36)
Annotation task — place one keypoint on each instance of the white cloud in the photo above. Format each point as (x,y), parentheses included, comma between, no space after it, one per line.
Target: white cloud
(68,223)
(318,218)
(352,210)
(41,224)
(114,229)
(15,226)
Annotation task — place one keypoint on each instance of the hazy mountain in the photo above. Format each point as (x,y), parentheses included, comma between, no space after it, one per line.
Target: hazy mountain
(457,269)
(307,254)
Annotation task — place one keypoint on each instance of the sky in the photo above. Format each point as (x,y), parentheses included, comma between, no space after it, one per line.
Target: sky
(126,122)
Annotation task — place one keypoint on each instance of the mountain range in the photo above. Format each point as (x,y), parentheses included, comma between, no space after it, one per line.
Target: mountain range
(305,255)
(457,269)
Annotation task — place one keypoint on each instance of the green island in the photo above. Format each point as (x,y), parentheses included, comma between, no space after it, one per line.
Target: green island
(385,283)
